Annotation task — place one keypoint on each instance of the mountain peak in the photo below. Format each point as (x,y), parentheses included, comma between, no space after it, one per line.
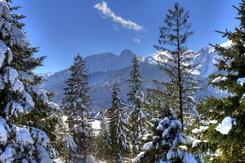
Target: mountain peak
(101,55)
(127,52)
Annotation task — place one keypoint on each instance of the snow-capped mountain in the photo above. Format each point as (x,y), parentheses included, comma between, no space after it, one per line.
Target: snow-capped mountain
(46,75)
(107,68)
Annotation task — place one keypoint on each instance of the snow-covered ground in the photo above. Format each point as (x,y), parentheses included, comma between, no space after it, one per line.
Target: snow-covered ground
(96,126)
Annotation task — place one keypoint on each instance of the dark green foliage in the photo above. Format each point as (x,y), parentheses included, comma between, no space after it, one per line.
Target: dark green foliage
(24,61)
(231,66)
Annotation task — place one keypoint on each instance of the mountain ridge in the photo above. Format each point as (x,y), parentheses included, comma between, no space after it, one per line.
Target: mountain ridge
(107,68)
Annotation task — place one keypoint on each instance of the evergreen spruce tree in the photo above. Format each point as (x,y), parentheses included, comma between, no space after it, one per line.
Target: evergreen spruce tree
(118,129)
(228,137)
(137,119)
(76,104)
(177,61)
(25,109)
(166,143)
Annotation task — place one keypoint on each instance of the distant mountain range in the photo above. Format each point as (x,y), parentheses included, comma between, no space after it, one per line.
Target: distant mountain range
(46,74)
(107,68)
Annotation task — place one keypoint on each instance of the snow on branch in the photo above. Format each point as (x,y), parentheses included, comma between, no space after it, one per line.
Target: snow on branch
(226,125)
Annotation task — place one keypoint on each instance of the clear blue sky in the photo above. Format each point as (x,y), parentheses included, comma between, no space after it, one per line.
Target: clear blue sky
(62,28)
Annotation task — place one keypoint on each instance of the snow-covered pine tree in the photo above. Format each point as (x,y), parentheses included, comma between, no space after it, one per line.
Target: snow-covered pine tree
(228,137)
(76,104)
(177,60)
(167,144)
(118,128)
(137,119)
(24,108)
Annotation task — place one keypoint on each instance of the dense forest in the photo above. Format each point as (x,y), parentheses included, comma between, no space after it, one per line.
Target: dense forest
(164,124)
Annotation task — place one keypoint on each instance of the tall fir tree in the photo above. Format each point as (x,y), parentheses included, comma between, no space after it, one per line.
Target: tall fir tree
(230,110)
(76,104)
(25,109)
(118,128)
(137,119)
(177,61)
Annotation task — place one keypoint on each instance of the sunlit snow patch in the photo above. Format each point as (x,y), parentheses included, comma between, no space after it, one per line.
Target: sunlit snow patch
(241,81)
(23,136)
(4,128)
(226,125)
(226,44)
(96,126)
(53,106)
(162,56)
(148,146)
(219,79)
(196,142)
(199,130)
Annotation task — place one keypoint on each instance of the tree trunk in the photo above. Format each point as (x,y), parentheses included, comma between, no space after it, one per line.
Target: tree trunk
(179,74)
